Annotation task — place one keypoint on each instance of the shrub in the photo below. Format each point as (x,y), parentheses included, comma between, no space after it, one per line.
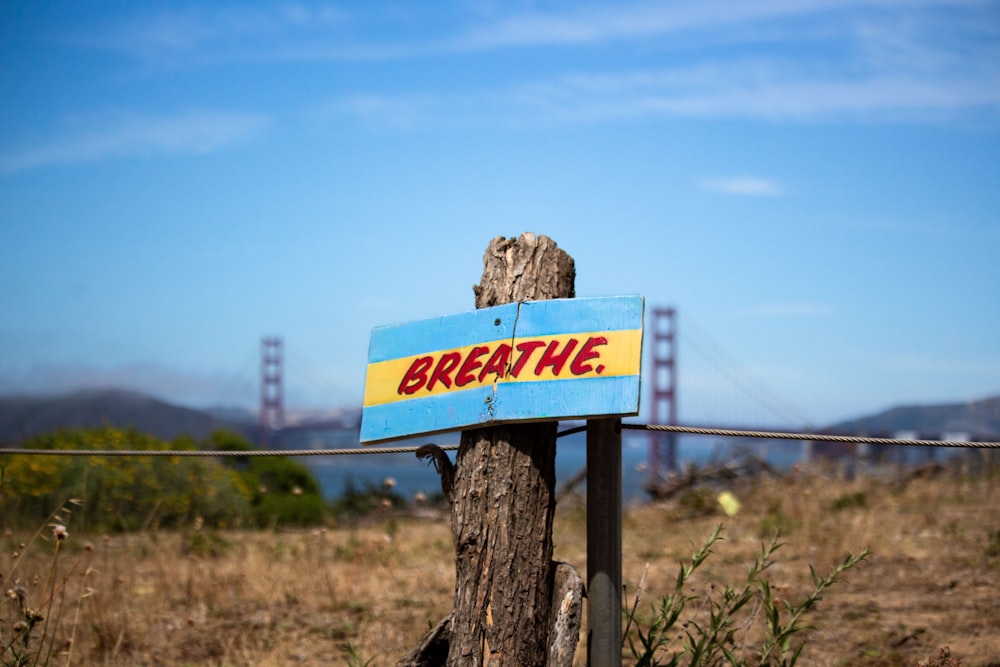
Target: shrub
(286,509)
(203,543)
(697,502)
(282,491)
(993,544)
(355,502)
(775,520)
(121,492)
(850,500)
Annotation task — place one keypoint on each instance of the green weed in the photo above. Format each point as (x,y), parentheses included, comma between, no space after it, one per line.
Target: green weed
(717,631)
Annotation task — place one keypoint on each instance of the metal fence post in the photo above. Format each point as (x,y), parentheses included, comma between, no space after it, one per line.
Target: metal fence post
(604,542)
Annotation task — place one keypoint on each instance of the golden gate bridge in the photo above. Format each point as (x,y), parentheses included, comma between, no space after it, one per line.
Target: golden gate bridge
(661,390)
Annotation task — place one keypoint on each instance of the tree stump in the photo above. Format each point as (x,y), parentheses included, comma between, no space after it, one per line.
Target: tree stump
(502,493)
(503,500)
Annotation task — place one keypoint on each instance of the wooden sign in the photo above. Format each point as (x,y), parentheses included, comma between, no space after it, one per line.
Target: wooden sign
(530,361)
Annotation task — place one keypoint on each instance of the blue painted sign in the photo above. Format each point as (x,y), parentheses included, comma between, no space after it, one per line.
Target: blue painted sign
(530,361)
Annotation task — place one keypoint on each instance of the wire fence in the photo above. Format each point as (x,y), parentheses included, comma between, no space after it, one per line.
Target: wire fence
(813,437)
(375,449)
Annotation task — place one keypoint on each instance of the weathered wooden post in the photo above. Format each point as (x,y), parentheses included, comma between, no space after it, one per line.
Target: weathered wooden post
(505,374)
(504,496)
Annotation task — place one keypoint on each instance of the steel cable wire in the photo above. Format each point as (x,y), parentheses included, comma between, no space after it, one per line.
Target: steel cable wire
(690,430)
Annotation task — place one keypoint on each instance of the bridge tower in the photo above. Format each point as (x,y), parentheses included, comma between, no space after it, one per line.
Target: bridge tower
(272,409)
(663,446)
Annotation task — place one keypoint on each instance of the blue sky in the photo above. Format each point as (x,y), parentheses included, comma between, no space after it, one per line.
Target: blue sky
(814,185)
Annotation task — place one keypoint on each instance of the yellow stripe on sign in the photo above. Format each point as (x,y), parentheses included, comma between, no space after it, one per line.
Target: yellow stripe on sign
(559,357)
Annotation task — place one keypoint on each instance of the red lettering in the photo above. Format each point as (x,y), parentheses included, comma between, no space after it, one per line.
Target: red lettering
(497,362)
(415,376)
(465,374)
(420,377)
(556,361)
(526,349)
(586,353)
(445,365)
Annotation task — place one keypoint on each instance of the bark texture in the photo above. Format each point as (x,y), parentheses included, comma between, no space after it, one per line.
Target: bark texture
(503,499)
(567,616)
(528,268)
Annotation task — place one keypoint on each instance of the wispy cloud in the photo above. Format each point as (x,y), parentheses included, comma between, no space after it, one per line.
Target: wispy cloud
(210,33)
(765,89)
(814,59)
(149,378)
(397,112)
(127,135)
(191,387)
(792,309)
(318,30)
(941,366)
(590,24)
(746,186)
(761,90)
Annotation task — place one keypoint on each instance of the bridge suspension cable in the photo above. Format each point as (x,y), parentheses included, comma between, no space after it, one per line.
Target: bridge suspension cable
(712,352)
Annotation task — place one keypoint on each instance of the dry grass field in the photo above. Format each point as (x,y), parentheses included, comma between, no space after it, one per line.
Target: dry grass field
(353,594)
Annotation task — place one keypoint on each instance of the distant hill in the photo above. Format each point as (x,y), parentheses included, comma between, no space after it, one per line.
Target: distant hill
(22,417)
(977,419)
